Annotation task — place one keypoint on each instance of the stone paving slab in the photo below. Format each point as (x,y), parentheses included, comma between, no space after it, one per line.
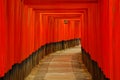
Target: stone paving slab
(61,65)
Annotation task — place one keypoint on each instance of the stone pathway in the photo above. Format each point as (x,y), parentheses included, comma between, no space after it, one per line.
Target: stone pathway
(61,65)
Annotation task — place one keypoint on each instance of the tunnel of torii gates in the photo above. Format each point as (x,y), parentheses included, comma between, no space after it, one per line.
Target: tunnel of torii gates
(27,25)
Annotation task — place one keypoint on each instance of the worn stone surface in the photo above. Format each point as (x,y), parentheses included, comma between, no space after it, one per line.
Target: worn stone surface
(61,65)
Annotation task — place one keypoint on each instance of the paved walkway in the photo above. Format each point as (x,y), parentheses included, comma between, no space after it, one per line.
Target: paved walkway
(61,65)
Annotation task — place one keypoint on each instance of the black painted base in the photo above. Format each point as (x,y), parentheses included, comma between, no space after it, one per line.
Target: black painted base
(93,67)
(20,71)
